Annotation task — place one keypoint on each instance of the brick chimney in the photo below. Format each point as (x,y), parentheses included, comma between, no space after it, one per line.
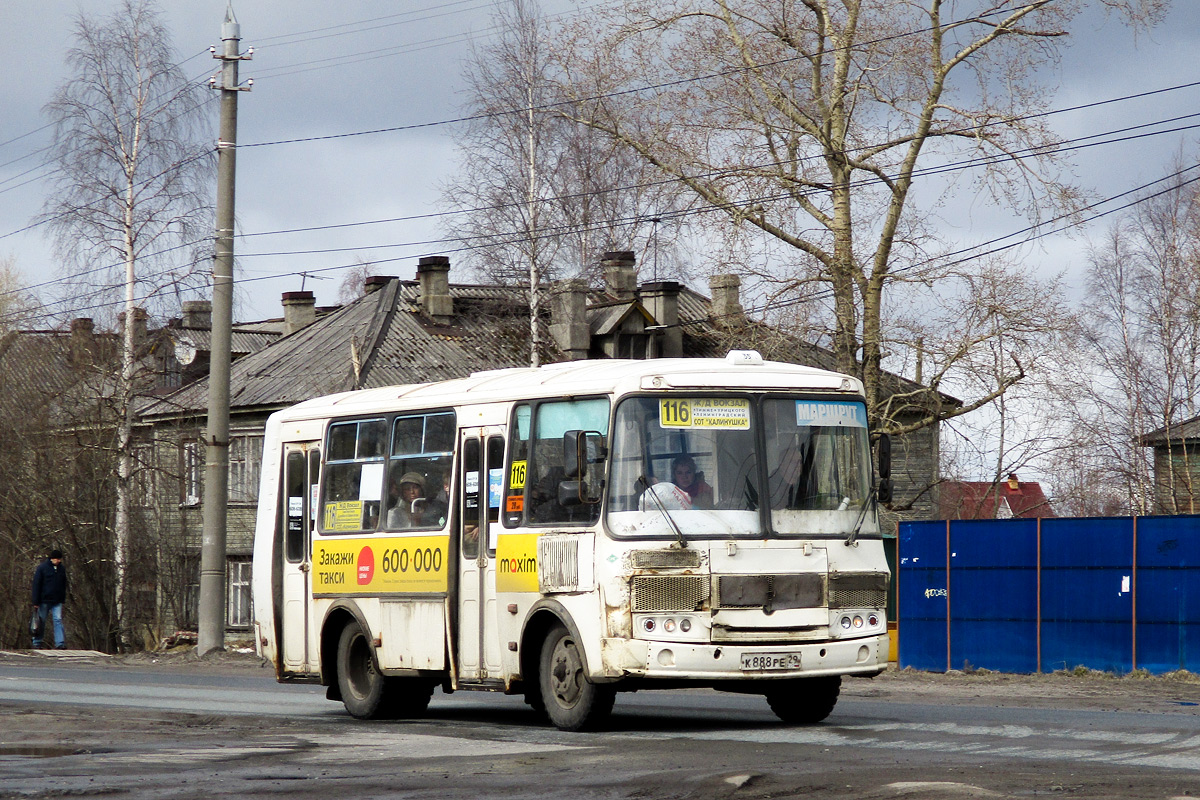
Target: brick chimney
(433,277)
(726,304)
(620,275)
(299,310)
(83,342)
(661,299)
(140,318)
(374,283)
(197,314)
(568,318)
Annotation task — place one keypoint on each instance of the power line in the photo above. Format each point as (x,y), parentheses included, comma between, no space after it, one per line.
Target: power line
(490,239)
(866,181)
(816,296)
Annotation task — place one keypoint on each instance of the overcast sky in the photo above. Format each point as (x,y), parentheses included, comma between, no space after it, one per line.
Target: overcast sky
(325,68)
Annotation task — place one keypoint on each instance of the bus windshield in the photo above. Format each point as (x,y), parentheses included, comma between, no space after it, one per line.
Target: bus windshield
(818,460)
(699,459)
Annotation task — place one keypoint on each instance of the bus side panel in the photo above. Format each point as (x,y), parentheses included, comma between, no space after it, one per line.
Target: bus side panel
(413,634)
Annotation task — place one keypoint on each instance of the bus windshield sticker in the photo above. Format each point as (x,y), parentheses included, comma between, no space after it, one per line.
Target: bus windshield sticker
(495,486)
(831,414)
(343,515)
(370,487)
(516,478)
(704,412)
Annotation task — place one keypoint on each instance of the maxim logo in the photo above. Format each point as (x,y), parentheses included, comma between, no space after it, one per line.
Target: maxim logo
(528,564)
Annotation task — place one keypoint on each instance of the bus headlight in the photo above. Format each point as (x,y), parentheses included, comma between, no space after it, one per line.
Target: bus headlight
(846,623)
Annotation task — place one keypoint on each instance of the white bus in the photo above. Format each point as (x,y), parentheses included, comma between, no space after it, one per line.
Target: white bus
(576,530)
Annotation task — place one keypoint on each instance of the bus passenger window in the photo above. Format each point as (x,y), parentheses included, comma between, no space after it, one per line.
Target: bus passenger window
(353,476)
(518,466)
(419,466)
(553,420)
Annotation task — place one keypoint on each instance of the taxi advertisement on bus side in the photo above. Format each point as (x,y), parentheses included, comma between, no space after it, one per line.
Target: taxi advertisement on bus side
(399,564)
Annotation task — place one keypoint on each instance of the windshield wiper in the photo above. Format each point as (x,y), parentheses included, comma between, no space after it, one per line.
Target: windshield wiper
(871,500)
(662,508)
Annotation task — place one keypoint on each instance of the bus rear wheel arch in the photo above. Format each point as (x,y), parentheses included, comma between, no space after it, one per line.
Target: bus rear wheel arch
(365,691)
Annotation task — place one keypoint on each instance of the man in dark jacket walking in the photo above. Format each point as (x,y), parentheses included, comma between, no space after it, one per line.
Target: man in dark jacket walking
(49,592)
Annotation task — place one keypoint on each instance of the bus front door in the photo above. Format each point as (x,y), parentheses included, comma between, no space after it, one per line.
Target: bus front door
(480,482)
(301,468)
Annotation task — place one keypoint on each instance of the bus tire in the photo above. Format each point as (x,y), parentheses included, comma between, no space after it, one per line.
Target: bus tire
(362,685)
(572,702)
(805,701)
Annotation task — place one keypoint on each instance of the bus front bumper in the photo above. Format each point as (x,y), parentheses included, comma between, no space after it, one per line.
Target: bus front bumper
(623,658)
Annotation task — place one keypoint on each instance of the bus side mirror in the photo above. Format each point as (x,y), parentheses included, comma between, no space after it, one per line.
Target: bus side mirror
(884,448)
(584,453)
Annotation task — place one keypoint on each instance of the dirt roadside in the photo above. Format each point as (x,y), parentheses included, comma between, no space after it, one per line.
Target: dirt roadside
(1080,689)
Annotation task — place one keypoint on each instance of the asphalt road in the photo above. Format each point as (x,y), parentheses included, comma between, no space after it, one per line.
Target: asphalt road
(215,730)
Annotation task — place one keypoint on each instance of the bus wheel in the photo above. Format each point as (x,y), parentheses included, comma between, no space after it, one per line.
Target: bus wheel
(362,685)
(805,701)
(572,702)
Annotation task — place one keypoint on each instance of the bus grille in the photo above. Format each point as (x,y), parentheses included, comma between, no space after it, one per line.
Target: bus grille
(664,559)
(558,563)
(777,592)
(858,590)
(669,592)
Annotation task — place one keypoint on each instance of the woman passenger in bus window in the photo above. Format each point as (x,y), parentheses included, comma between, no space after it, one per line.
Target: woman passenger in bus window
(683,472)
(410,508)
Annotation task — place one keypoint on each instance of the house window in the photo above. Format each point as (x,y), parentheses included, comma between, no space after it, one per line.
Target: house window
(245,463)
(141,477)
(193,472)
(631,345)
(239,594)
(245,466)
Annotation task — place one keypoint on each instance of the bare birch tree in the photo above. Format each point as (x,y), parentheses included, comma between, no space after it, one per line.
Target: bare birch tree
(129,204)
(1143,311)
(540,197)
(810,122)
(18,306)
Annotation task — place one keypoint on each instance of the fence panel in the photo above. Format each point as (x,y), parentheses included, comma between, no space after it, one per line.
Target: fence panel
(1087,600)
(993,595)
(1168,593)
(921,595)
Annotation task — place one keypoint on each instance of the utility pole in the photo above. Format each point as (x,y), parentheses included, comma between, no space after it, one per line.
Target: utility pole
(216,462)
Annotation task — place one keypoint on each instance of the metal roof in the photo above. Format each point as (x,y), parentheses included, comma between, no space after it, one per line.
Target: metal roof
(384,339)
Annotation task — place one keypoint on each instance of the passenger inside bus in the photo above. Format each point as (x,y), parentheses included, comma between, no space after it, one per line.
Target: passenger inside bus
(411,507)
(685,476)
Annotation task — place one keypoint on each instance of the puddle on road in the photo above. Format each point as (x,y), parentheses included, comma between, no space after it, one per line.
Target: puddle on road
(41,751)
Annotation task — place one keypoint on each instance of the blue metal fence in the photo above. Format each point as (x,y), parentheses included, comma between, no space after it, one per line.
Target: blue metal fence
(1027,595)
